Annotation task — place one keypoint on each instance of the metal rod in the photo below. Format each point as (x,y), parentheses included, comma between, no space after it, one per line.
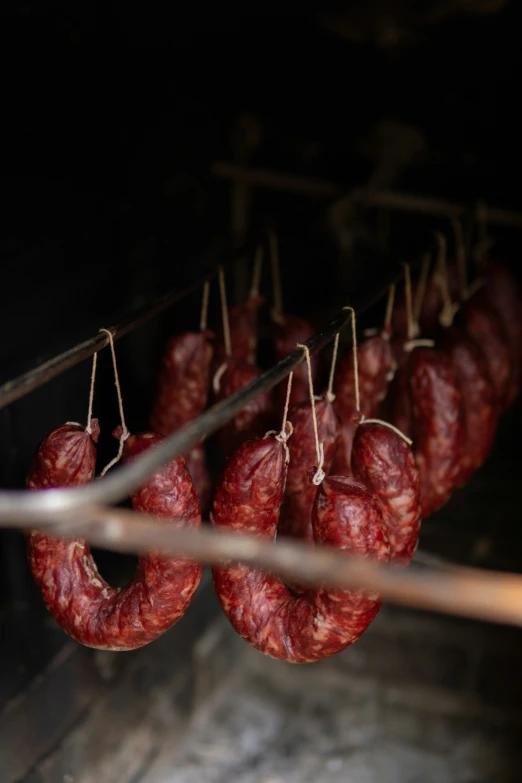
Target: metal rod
(319,188)
(467,592)
(45,372)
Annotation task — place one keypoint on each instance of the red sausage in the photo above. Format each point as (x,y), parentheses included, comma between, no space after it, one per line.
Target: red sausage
(181,396)
(480,320)
(425,404)
(183,382)
(505,294)
(437,425)
(385,464)
(80,600)
(66,457)
(254,418)
(242,319)
(431,305)
(259,606)
(396,406)
(478,401)
(296,514)
(376,367)
(290,330)
(433,301)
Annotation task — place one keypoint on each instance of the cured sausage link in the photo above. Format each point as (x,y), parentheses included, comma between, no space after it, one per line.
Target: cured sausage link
(254,418)
(296,514)
(376,366)
(437,424)
(183,382)
(481,321)
(80,600)
(385,464)
(181,396)
(289,330)
(260,607)
(505,294)
(478,401)
(242,319)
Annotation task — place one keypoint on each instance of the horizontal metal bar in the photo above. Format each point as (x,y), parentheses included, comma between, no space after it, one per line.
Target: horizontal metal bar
(468,592)
(45,372)
(320,188)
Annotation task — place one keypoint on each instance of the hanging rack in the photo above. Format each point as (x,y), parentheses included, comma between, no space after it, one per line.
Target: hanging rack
(79,511)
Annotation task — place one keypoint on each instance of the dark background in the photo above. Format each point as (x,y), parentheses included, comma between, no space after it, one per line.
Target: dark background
(112,115)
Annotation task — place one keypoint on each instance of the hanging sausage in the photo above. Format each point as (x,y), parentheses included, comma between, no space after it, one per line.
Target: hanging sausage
(182,393)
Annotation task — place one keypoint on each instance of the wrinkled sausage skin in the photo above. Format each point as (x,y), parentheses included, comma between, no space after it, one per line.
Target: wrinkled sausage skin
(296,514)
(290,330)
(437,425)
(342,462)
(385,464)
(181,396)
(242,319)
(80,600)
(376,366)
(505,294)
(254,418)
(260,607)
(66,457)
(478,403)
(424,403)
(183,382)
(480,320)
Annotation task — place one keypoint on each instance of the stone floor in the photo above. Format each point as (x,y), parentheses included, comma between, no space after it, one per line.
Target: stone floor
(410,703)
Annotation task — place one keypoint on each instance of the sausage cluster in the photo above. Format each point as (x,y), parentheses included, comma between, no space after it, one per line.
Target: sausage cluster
(448,397)
(76,594)
(438,398)
(445,393)
(373,513)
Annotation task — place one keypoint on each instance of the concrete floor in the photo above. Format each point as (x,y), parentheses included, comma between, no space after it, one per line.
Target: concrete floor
(410,703)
